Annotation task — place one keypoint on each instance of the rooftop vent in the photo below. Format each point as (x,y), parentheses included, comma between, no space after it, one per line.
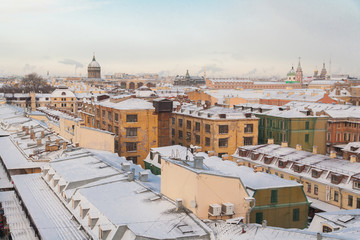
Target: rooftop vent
(198,162)
(144,176)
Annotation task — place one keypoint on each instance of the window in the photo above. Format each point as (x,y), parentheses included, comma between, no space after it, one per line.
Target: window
(173,132)
(109,128)
(356,184)
(188,124)
(307,125)
(336,196)
(329,136)
(223,142)
(98,124)
(180,134)
(259,217)
(282,175)
(98,112)
(306,138)
(197,139)
(131,132)
(103,113)
(131,146)
(116,117)
(223,129)
(316,189)
(357,202)
(345,136)
(296,214)
(116,131)
(180,122)
(133,159)
(207,128)
(309,187)
(188,136)
(274,195)
(109,116)
(326,229)
(249,128)
(197,126)
(207,141)
(116,146)
(350,200)
(173,121)
(248,141)
(131,118)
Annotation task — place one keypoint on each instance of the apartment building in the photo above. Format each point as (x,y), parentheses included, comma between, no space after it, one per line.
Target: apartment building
(213,128)
(135,123)
(63,99)
(216,189)
(327,180)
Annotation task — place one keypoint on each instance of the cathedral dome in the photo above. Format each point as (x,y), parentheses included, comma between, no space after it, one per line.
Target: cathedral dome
(292,72)
(94,63)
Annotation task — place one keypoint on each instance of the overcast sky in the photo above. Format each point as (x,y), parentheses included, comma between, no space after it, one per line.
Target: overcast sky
(229,37)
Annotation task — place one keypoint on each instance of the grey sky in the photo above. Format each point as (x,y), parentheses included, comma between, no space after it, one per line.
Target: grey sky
(232,38)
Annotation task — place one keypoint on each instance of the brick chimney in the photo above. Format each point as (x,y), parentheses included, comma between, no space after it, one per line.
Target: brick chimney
(64,145)
(333,154)
(225,157)
(32,134)
(298,147)
(38,142)
(42,134)
(270,141)
(284,144)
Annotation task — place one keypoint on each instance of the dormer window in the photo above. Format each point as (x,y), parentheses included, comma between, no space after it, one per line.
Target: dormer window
(356,184)
(268,159)
(63,93)
(336,178)
(316,173)
(298,168)
(282,164)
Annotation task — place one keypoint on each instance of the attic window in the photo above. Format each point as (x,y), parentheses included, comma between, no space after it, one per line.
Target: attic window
(315,173)
(352,148)
(152,155)
(356,184)
(222,115)
(63,93)
(282,164)
(336,178)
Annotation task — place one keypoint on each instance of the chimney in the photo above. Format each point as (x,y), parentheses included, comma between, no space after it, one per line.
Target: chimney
(333,154)
(49,138)
(131,175)
(353,158)
(38,142)
(198,162)
(47,147)
(315,149)
(318,236)
(270,141)
(178,107)
(26,131)
(144,176)
(64,145)
(32,134)
(298,147)
(264,224)
(179,204)
(284,144)
(23,128)
(42,134)
(76,144)
(31,127)
(125,166)
(198,104)
(225,157)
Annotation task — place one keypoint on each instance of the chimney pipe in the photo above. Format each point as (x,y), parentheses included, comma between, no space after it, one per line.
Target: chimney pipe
(353,158)
(333,154)
(284,144)
(270,141)
(315,149)
(298,147)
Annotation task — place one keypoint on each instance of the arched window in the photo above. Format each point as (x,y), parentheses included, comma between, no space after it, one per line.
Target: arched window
(63,93)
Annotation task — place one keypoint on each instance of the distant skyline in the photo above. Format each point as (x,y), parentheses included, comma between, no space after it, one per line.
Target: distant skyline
(230,37)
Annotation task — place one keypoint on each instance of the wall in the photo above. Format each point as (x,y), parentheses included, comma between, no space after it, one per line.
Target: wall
(204,189)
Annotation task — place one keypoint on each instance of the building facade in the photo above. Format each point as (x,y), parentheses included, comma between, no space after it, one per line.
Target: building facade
(213,128)
(63,99)
(94,69)
(133,121)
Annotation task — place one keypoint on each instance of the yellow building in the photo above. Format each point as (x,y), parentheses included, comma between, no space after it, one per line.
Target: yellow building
(63,99)
(133,121)
(215,189)
(215,129)
(330,183)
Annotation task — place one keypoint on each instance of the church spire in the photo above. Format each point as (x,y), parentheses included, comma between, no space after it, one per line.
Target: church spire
(94,56)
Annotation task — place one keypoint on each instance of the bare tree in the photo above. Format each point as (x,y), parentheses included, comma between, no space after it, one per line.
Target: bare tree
(34,82)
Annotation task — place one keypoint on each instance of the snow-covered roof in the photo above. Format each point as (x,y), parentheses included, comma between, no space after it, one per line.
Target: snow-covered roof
(62,93)
(128,104)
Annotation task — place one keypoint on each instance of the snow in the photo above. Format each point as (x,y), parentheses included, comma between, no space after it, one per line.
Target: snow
(12,157)
(128,104)
(50,217)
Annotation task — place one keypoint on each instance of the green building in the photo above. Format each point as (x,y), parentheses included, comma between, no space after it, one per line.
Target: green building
(293,127)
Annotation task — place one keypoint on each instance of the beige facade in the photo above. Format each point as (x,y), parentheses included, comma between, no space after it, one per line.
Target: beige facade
(216,129)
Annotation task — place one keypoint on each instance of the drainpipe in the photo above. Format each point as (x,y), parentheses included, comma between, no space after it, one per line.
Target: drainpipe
(249,199)
(341,199)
